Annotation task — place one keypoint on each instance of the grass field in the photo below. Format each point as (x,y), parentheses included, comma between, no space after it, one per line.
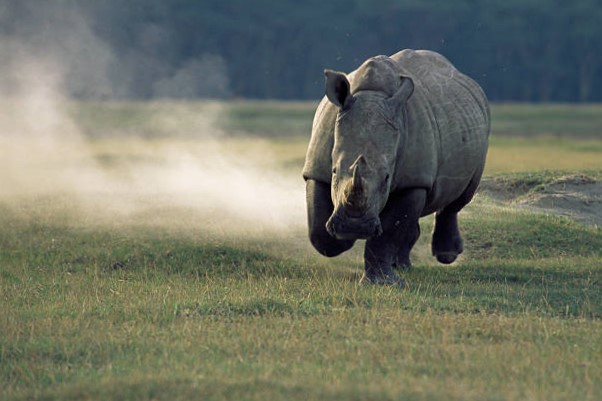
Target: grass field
(150,285)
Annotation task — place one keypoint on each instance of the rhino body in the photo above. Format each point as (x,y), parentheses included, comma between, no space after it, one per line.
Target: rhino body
(399,138)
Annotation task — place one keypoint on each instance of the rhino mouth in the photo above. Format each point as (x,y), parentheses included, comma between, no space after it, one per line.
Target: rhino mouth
(343,226)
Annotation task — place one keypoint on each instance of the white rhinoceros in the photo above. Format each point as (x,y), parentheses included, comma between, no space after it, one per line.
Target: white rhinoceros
(399,138)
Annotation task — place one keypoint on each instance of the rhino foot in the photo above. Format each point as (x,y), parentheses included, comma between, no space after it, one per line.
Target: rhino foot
(388,279)
(447,250)
(446,257)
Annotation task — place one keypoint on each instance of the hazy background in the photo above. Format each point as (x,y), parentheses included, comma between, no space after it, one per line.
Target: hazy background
(518,50)
(125,159)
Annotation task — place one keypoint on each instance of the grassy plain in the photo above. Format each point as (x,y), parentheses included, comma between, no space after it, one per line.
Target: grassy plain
(177,303)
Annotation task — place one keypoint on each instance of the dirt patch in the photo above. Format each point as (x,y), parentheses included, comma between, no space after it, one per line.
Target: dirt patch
(578,197)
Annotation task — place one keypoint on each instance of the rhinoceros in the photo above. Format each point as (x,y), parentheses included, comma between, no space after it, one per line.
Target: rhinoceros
(399,138)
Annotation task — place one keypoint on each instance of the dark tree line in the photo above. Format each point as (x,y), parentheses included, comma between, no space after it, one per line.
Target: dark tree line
(519,50)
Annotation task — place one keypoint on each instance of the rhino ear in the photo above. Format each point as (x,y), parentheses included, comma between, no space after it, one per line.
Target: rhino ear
(338,88)
(403,93)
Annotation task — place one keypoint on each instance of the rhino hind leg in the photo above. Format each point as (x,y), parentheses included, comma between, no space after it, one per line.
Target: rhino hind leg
(392,248)
(319,209)
(447,241)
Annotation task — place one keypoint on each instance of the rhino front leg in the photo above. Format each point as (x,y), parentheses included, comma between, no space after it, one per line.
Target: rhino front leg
(319,209)
(392,248)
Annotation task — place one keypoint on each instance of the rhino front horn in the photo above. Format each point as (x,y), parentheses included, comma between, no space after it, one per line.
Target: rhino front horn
(357,178)
(355,200)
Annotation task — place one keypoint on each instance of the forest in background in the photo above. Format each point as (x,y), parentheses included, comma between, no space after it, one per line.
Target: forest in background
(527,50)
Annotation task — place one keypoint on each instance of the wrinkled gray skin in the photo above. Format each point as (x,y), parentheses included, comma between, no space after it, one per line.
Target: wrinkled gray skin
(399,138)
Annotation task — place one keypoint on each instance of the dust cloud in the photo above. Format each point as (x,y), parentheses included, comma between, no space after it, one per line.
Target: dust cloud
(44,153)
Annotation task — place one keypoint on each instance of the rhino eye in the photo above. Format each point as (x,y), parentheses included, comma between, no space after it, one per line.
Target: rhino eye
(387,178)
(334,170)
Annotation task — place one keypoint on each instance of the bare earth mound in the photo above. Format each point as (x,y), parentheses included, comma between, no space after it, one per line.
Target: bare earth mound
(578,197)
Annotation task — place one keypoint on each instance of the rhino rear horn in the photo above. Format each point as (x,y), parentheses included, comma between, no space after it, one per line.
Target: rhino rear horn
(338,89)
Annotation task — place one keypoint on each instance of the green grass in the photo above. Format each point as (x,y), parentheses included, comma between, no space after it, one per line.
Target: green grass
(194,119)
(287,119)
(566,120)
(130,313)
(540,153)
(173,304)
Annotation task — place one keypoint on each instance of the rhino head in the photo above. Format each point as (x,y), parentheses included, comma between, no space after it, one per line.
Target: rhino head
(370,127)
